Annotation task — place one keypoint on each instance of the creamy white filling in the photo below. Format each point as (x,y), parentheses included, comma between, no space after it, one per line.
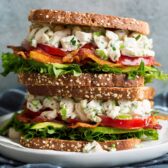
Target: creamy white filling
(86,110)
(113,43)
(93,147)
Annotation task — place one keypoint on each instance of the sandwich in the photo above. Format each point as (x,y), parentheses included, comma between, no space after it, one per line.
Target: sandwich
(86,77)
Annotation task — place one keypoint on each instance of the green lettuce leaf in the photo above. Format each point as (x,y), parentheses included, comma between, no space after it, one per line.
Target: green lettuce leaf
(12,63)
(86,134)
(148,72)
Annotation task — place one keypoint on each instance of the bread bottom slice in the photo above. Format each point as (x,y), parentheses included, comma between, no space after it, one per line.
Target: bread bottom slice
(75,146)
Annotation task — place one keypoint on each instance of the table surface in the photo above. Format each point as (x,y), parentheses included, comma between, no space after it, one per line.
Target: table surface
(16,99)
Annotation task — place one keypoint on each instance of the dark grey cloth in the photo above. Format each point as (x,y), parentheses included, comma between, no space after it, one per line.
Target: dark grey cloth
(12,100)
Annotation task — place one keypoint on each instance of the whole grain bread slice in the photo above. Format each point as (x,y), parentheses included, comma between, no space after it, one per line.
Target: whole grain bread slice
(102,93)
(48,16)
(75,146)
(85,79)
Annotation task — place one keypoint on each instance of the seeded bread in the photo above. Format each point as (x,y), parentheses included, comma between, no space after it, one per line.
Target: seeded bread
(102,93)
(85,79)
(75,146)
(46,16)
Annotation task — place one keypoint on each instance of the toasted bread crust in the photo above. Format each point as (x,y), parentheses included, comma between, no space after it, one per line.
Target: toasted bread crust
(102,93)
(85,79)
(46,16)
(75,146)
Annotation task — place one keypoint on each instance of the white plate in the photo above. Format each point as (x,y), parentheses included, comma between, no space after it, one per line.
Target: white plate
(149,150)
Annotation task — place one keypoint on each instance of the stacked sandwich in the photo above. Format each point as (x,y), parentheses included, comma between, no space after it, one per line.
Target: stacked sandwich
(85,75)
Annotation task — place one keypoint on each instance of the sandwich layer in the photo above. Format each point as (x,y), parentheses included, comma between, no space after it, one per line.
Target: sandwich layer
(84,80)
(45,16)
(101,93)
(75,146)
(49,108)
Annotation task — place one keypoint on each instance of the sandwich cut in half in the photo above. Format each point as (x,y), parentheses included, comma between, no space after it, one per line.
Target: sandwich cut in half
(85,74)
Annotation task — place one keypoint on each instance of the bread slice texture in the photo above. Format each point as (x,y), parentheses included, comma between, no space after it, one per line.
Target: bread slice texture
(84,80)
(75,146)
(47,16)
(101,93)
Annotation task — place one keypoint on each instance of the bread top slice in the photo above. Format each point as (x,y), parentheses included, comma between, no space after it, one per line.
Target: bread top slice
(85,79)
(48,16)
(75,146)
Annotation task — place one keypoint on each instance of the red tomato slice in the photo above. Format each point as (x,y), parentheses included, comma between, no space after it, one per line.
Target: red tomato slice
(51,50)
(133,61)
(125,124)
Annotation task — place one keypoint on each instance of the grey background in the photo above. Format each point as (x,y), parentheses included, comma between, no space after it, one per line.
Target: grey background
(14,24)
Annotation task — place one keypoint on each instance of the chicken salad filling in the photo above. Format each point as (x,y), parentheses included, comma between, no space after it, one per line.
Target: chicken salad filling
(87,110)
(109,44)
